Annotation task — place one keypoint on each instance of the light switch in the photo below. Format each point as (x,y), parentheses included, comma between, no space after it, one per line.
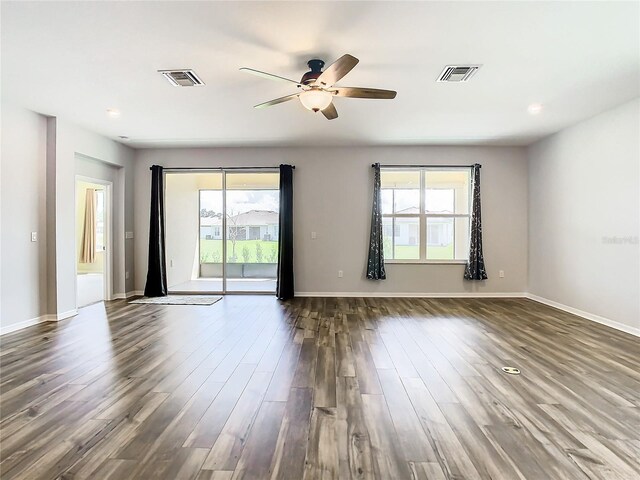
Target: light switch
(313,235)
(34,236)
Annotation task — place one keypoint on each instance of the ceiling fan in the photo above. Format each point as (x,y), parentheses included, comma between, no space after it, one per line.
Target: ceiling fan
(318,87)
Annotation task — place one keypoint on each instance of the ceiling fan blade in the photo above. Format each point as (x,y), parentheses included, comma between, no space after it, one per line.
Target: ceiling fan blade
(357,92)
(270,76)
(330,112)
(277,101)
(337,70)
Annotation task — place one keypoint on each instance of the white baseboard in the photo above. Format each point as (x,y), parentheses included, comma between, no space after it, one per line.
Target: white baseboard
(124,296)
(586,315)
(63,315)
(51,317)
(56,317)
(413,294)
(14,327)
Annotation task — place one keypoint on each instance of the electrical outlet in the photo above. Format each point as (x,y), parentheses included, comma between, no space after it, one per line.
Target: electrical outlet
(313,235)
(126,275)
(171,263)
(34,236)
(340,274)
(501,273)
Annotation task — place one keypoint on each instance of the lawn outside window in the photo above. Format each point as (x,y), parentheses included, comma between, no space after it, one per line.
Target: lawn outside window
(426,214)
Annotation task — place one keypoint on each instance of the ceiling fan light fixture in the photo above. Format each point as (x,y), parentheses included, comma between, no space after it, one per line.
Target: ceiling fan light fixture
(315,99)
(317,87)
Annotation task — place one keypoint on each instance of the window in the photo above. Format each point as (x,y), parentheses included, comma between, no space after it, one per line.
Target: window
(426,214)
(100,221)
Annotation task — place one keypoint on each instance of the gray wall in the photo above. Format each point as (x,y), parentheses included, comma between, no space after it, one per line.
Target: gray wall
(584,195)
(38,171)
(333,189)
(72,141)
(572,214)
(23,288)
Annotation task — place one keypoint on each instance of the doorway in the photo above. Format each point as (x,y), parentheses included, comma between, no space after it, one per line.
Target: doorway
(222,231)
(93,241)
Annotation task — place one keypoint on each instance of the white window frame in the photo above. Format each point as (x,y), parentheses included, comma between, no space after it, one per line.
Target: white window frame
(423,216)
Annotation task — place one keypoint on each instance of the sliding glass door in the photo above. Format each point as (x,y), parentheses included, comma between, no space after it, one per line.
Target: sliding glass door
(252,206)
(210,238)
(222,231)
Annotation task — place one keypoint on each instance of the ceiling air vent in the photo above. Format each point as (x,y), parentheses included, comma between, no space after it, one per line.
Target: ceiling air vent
(182,78)
(457,73)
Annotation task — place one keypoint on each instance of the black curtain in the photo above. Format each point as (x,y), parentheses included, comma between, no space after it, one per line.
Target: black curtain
(475,266)
(285,288)
(375,263)
(157,272)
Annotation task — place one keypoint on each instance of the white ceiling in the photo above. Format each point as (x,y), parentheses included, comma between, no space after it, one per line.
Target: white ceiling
(75,60)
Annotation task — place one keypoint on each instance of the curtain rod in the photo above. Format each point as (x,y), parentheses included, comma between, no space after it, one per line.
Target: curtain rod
(168,169)
(424,166)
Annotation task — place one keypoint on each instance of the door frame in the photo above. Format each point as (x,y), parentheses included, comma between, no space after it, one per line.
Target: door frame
(107,272)
(223,171)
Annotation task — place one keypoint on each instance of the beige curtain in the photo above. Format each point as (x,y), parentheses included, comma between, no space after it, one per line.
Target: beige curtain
(88,250)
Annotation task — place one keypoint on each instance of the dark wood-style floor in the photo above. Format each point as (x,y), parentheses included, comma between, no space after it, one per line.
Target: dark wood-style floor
(321,388)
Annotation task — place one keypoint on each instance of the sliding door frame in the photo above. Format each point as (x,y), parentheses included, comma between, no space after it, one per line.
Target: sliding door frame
(232,170)
(223,171)
(224,232)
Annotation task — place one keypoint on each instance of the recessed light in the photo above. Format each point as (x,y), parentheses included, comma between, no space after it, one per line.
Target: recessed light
(534,108)
(113,112)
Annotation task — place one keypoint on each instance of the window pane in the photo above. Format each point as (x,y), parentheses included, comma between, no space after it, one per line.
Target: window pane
(100,220)
(401,201)
(211,231)
(387,237)
(244,201)
(253,181)
(400,178)
(447,191)
(387,201)
(252,226)
(193,218)
(462,238)
(400,191)
(204,181)
(407,238)
(406,201)
(440,239)
(440,200)
(447,238)
(252,206)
